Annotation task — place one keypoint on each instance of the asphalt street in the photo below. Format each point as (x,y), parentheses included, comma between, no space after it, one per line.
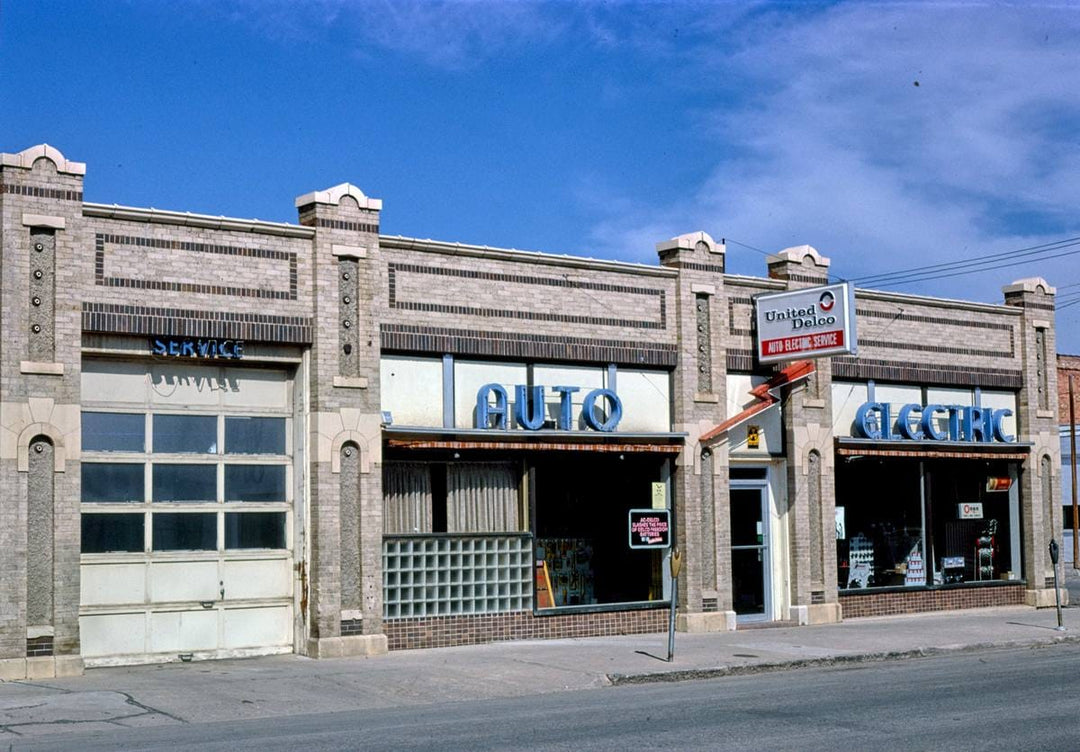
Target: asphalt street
(994,699)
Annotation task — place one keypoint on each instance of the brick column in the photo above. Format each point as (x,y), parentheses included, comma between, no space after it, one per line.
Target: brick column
(1040,485)
(808,440)
(43,262)
(345,525)
(699,394)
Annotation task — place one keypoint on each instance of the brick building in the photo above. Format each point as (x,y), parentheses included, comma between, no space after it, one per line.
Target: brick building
(224,437)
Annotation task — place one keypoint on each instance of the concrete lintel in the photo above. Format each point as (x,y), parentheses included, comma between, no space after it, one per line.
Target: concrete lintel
(44,220)
(1030,285)
(703,289)
(689,242)
(44,369)
(333,196)
(797,254)
(351,382)
(348,251)
(25,159)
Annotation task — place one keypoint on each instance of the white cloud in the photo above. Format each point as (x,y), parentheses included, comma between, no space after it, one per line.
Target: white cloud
(832,143)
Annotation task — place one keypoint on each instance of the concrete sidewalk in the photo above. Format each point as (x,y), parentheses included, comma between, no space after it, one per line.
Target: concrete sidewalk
(107,698)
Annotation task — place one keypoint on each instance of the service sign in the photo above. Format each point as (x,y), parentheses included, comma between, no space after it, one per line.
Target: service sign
(650,528)
(810,323)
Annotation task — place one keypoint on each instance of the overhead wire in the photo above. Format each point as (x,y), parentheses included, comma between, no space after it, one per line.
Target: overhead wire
(988,262)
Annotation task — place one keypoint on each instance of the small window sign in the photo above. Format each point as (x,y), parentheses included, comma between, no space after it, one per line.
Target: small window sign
(970,511)
(753,437)
(650,528)
(659,495)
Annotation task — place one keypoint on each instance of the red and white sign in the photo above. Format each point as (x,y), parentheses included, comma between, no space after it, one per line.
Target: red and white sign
(809,323)
(971,511)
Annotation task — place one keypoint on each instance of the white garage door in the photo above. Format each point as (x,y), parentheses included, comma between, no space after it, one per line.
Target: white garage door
(187,512)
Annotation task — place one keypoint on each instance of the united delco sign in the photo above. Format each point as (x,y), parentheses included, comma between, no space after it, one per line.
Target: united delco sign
(809,323)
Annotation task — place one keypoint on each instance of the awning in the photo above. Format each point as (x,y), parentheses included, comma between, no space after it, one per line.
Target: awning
(536,441)
(542,446)
(763,393)
(931,449)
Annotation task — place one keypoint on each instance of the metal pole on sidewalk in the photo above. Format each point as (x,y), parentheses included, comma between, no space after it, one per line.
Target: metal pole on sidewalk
(1057,590)
(676,565)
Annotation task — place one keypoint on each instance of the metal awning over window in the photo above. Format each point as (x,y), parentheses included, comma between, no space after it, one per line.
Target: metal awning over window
(932,449)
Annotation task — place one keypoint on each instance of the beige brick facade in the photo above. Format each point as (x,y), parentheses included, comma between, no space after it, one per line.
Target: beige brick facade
(328,296)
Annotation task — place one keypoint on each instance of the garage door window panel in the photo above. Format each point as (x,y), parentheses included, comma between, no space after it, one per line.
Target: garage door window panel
(113,482)
(113,432)
(184,531)
(185,434)
(185,483)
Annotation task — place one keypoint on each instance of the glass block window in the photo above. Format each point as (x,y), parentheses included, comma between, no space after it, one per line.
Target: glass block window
(438,576)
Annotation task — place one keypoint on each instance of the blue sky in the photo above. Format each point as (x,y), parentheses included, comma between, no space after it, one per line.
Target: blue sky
(886,135)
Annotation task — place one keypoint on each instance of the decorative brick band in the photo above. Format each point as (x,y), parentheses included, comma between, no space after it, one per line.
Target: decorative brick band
(101,239)
(1019,303)
(716,268)
(502,313)
(939,349)
(860,369)
(39,646)
(867,313)
(448,631)
(29,190)
(812,279)
(409,338)
(178,322)
(888,604)
(338,224)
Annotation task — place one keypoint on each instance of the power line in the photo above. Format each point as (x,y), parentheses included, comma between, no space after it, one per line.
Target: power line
(971,266)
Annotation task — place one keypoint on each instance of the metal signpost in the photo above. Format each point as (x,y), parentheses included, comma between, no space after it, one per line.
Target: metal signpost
(651,528)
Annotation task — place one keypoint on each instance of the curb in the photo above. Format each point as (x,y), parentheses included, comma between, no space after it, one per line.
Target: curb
(681,675)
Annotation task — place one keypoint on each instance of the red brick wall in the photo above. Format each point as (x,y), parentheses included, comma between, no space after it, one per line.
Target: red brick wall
(916,601)
(446,631)
(1067,364)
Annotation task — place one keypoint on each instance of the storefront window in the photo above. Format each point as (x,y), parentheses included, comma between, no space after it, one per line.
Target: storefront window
(907,522)
(582,507)
(878,523)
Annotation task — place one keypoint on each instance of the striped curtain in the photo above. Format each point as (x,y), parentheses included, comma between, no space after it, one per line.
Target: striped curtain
(482,497)
(406,498)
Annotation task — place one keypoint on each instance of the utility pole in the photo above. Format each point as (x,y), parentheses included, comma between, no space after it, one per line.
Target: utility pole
(1075,501)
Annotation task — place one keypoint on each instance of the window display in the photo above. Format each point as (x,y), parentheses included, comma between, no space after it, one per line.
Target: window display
(907,522)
